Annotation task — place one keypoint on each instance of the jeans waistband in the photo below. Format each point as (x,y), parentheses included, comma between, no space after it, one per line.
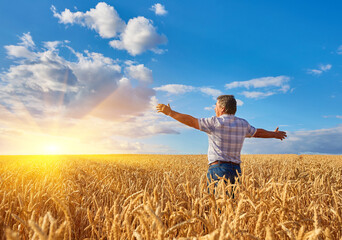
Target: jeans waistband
(223,162)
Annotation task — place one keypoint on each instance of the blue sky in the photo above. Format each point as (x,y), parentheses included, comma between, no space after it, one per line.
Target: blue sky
(84,76)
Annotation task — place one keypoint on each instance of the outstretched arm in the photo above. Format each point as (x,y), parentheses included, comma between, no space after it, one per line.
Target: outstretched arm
(262,133)
(180,117)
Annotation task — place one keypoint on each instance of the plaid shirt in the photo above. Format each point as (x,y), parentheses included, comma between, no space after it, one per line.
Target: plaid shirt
(225,135)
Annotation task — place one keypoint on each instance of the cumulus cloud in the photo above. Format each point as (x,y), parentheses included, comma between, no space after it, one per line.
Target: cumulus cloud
(23,49)
(43,95)
(320,70)
(139,36)
(35,76)
(321,141)
(19,52)
(125,101)
(48,83)
(271,86)
(140,72)
(104,19)
(158,9)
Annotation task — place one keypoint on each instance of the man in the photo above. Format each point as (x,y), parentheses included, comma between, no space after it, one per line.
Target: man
(226,134)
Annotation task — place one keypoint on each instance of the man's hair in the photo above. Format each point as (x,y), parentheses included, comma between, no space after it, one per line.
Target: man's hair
(228,102)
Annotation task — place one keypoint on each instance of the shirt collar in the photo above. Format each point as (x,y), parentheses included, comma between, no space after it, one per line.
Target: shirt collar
(228,115)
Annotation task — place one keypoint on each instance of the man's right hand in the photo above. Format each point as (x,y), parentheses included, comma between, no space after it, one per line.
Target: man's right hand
(262,133)
(280,134)
(166,109)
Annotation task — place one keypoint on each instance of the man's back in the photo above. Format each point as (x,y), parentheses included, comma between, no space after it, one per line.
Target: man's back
(226,135)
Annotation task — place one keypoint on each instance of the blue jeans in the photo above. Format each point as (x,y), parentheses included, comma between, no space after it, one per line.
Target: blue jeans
(228,170)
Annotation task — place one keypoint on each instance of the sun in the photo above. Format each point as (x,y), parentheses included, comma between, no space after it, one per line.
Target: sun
(52,149)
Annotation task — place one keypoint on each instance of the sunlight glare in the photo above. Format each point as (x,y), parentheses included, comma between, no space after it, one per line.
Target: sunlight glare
(52,149)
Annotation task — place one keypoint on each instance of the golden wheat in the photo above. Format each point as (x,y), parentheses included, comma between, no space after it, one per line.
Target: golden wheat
(167,197)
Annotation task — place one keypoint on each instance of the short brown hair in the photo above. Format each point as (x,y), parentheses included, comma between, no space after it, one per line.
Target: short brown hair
(228,102)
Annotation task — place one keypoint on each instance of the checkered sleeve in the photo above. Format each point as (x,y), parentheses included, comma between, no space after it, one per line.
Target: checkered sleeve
(250,130)
(207,124)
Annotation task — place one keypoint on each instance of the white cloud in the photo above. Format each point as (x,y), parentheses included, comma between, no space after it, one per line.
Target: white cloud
(175,88)
(285,88)
(19,52)
(210,108)
(154,102)
(315,71)
(181,89)
(139,36)
(325,67)
(23,49)
(50,84)
(130,62)
(103,19)
(31,79)
(144,126)
(178,89)
(125,102)
(87,135)
(158,9)
(211,91)
(263,82)
(254,94)
(271,85)
(339,50)
(49,96)
(239,102)
(26,41)
(320,70)
(158,51)
(323,141)
(52,45)
(140,72)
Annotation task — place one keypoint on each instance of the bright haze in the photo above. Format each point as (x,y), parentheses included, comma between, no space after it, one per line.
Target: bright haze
(83,77)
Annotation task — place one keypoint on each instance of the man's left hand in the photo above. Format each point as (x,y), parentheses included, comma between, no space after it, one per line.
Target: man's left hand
(166,109)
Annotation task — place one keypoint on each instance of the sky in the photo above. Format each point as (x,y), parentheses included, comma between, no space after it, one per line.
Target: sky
(84,77)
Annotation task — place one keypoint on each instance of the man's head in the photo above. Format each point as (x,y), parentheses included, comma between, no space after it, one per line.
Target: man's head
(226,104)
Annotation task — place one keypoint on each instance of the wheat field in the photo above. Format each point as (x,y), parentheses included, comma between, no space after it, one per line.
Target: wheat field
(167,197)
